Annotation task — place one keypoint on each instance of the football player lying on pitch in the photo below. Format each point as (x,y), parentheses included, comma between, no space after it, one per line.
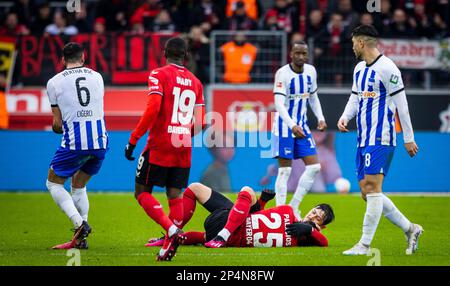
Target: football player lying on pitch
(247,224)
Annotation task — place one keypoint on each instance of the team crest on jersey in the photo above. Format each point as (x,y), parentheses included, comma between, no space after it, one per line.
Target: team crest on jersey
(279,84)
(155,81)
(394,79)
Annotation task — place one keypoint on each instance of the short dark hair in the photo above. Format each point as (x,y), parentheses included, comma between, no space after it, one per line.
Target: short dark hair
(175,48)
(329,214)
(365,30)
(72,52)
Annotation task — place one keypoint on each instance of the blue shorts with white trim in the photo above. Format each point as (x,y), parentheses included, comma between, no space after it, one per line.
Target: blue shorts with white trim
(67,162)
(373,160)
(293,148)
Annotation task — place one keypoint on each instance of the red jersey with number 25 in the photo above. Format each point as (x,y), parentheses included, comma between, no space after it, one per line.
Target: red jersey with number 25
(266,228)
(170,140)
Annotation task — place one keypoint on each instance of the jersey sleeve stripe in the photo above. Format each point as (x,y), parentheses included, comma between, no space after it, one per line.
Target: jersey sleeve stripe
(398,91)
(54,105)
(279,93)
(199,104)
(315,91)
(354,92)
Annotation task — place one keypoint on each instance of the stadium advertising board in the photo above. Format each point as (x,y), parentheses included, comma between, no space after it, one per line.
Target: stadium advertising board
(413,54)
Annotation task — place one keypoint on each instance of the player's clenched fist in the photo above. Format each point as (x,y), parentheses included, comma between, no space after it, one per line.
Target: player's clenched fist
(129,148)
(411,148)
(299,229)
(342,125)
(322,125)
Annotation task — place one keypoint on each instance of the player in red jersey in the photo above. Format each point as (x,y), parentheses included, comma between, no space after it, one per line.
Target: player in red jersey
(248,224)
(174,113)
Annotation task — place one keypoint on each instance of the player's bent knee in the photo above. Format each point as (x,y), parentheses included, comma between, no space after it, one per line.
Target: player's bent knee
(196,187)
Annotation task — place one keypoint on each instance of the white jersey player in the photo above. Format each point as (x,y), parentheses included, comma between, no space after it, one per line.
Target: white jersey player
(295,88)
(377,93)
(76,96)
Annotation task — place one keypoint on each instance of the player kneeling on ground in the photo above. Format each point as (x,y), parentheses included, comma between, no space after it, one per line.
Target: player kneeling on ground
(247,224)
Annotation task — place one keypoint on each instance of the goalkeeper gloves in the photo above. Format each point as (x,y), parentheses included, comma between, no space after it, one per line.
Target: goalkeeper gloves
(129,148)
(299,229)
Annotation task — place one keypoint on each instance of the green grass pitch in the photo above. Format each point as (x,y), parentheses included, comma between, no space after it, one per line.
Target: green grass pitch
(31,223)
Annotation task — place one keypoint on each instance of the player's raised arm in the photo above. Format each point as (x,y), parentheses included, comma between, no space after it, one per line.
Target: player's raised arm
(279,92)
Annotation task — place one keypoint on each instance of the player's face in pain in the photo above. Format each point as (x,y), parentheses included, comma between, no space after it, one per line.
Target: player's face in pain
(316,216)
(299,55)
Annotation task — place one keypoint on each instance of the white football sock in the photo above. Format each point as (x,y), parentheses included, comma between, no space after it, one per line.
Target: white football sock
(372,217)
(304,184)
(224,233)
(281,185)
(392,213)
(81,201)
(65,203)
(172,230)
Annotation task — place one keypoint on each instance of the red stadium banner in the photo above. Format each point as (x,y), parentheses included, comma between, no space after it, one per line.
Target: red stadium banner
(122,59)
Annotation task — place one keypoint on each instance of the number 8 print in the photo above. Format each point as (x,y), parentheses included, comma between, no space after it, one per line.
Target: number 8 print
(367,160)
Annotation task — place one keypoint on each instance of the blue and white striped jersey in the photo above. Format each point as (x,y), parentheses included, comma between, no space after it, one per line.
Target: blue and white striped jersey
(297,89)
(78,93)
(374,85)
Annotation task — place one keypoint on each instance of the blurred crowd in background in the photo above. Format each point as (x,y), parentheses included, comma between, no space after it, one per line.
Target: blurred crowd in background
(327,22)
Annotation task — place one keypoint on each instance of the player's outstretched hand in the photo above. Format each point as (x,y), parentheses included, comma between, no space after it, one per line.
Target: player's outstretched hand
(129,148)
(322,125)
(298,229)
(411,148)
(298,132)
(267,195)
(342,125)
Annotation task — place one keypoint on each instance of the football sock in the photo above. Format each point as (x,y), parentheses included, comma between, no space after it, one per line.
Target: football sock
(372,217)
(65,203)
(238,213)
(224,233)
(304,184)
(154,210)
(176,211)
(281,185)
(189,202)
(392,213)
(194,237)
(81,201)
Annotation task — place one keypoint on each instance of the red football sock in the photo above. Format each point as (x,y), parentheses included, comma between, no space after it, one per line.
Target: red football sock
(262,203)
(239,212)
(194,237)
(188,205)
(176,211)
(154,210)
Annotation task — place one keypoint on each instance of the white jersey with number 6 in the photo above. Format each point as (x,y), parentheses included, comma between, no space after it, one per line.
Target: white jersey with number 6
(79,92)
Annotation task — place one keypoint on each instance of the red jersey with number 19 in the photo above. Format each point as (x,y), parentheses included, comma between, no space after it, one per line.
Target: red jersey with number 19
(169,140)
